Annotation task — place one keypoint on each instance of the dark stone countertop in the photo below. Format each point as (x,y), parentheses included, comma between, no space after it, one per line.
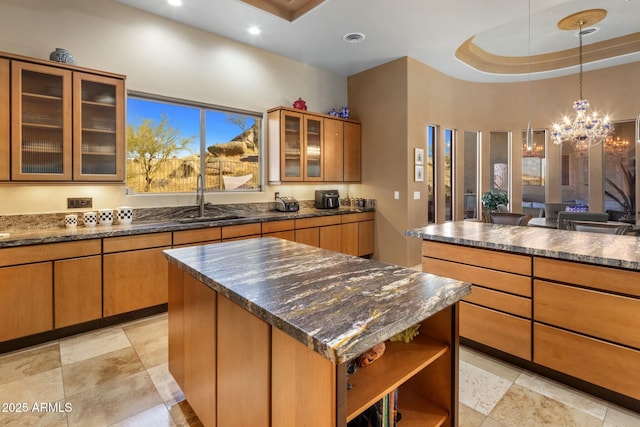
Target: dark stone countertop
(32,230)
(336,304)
(592,248)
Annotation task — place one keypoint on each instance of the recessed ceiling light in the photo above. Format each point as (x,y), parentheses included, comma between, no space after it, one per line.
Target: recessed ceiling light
(253,30)
(175,2)
(353,37)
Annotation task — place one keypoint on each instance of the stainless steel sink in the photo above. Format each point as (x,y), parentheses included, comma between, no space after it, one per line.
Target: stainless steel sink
(208,218)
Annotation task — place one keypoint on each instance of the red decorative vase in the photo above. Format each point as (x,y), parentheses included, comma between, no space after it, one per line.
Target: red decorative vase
(300,104)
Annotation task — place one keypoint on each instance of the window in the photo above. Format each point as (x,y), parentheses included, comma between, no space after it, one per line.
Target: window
(431,173)
(620,173)
(534,164)
(170,142)
(449,136)
(471,140)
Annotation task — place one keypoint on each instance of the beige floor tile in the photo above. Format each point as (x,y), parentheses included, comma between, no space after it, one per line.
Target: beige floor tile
(99,370)
(43,387)
(42,415)
(525,408)
(158,416)
(113,402)
(620,417)
(468,417)
(183,415)
(32,361)
(565,394)
(480,390)
(165,384)
(490,364)
(149,339)
(92,344)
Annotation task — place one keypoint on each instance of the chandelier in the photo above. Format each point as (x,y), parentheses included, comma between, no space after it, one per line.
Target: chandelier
(585,128)
(616,147)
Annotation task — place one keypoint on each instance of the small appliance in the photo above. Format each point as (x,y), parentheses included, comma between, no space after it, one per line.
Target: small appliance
(327,199)
(286,203)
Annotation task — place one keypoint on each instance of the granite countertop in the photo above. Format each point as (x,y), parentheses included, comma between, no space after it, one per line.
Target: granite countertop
(34,229)
(592,248)
(336,304)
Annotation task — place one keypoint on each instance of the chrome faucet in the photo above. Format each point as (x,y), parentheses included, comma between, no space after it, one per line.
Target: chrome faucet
(200,193)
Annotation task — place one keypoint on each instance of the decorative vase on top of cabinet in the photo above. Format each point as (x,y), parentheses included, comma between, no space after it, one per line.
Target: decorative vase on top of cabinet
(66,125)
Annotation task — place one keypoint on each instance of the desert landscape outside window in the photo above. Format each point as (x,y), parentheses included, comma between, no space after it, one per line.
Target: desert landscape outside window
(170,142)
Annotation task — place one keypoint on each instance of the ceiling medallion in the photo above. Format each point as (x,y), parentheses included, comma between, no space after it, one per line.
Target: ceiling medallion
(586,128)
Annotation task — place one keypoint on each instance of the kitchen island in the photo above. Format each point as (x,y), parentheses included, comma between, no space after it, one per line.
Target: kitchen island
(261,332)
(561,303)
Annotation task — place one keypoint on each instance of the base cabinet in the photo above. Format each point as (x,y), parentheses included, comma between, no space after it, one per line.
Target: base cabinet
(226,360)
(135,272)
(77,290)
(26,300)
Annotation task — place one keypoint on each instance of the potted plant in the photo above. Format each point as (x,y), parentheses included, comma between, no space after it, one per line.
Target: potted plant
(491,199)
(625,197)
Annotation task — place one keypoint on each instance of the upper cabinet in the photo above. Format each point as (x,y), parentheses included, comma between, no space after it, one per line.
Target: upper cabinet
(5,147)
(67,123)
(312,147)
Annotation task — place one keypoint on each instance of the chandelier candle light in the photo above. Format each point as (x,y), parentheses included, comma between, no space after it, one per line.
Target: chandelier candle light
(586,128)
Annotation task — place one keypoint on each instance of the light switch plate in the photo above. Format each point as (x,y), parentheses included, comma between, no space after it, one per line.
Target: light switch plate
(416,195)
(396,195)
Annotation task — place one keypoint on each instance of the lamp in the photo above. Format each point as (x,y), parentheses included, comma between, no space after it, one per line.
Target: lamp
(586,128)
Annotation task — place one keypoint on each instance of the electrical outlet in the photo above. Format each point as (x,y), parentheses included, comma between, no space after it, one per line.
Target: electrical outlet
(79,202)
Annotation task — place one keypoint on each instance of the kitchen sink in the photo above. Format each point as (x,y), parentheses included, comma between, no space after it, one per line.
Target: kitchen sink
(208,218)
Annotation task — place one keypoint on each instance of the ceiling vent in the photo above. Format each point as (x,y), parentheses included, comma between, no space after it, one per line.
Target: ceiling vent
(353,37)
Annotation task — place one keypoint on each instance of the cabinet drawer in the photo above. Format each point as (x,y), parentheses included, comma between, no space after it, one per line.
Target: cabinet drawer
(606,316)
(233,231)
(498,330)
(52,251)
(512,263)
(500,301)
(498,280)
(319,221)
(196,236)
(603,278)
(273,226)
(607,365)
(356,217)
(129,243)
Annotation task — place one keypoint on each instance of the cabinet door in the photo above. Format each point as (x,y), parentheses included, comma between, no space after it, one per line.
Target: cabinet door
(333,150)
(366,230)
(352,152)
(349,244)
(77,290)
(4,120)
(291,141)
(98,107)
(313,148)
(330,237)
(134,280)
(26,300)
(308,236)
(41,123)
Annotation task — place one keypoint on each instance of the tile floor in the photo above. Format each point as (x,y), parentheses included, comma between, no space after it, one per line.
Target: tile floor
(118,377)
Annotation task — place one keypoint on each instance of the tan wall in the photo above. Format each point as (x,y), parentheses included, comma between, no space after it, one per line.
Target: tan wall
(162,57)
(434,98)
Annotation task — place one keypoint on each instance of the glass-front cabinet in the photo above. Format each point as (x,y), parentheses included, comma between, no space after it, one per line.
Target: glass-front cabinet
(66,125)
(98,139)
(41,123)
(301,147)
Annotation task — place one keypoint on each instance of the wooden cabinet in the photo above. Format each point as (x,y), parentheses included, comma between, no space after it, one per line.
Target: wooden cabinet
(41,120)
(243,231)
(135,272)
(5,145)
(26,300)
(312,147)
(587,316)
(276,374)
(67,124)
(498,312)
(309,230)
(200,236)
(358,233)
(282,229)
(43,287)
(98,132)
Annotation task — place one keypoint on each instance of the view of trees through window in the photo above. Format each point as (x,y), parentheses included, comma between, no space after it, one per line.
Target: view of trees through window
(170,143)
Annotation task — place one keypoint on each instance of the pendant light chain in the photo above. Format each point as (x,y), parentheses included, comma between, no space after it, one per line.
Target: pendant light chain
(580,37)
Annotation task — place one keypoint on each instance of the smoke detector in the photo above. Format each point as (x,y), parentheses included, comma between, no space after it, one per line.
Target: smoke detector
(353,37)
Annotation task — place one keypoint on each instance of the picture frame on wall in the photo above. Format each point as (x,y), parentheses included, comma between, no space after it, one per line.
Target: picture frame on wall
(419,173)
(419,156)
